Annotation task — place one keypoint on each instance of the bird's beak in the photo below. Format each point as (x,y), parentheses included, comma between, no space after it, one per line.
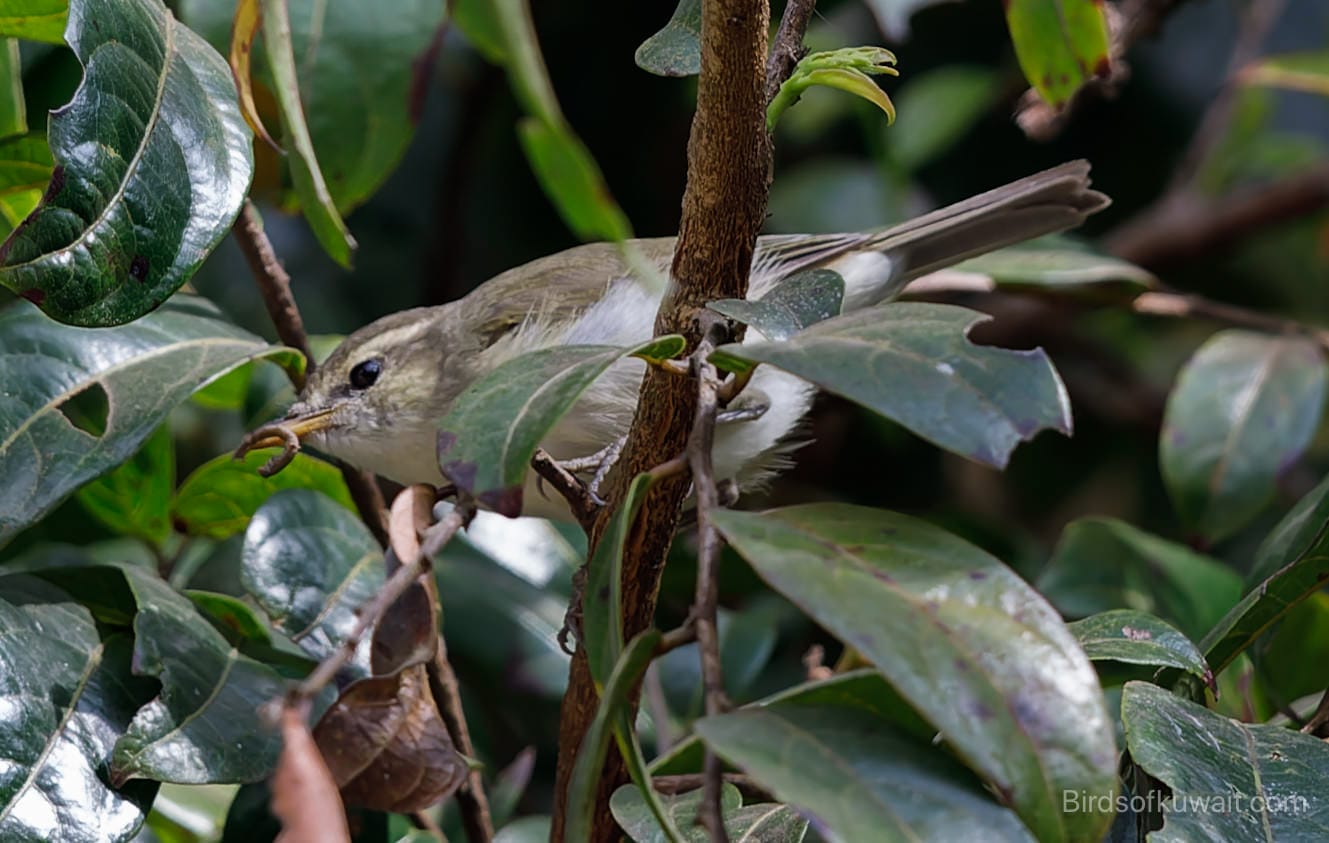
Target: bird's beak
(300,424)
(285,434)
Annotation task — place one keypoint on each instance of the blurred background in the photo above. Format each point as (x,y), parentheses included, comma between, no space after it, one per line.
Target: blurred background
(463,206)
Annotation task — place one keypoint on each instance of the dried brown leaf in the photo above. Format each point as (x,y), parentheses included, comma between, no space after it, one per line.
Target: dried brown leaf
(304,795)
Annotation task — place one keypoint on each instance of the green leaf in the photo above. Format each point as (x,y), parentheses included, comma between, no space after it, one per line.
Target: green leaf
(315,198)
(34,20)
(1307,72)
(562,164)
(939,107)
(602,607)
(360,78)
(1244,408)
(857,776)
(310,564)
(130,377)
(68,697)
(595,743)
(798,301)
(747,641)
(1060,269)
(861,689)
(766,822)
(1134,637)
(25,170)
(488,437)
(1296,555)
(1061,44)
(152,163)
(572,179)
(526,829)
(478,21)
(966,641)
(850,70)
(13,108)
(1103,563)
(219,497)
(911,362)
(135,498)
(1228,780)
(204,727)
(676,49)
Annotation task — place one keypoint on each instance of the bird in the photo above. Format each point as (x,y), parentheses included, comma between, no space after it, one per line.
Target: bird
(376,402)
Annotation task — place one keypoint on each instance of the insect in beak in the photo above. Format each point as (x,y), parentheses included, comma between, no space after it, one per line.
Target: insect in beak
(285,434)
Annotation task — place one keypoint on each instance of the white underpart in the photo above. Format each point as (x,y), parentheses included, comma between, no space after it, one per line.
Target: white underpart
(865,275)
(744,451)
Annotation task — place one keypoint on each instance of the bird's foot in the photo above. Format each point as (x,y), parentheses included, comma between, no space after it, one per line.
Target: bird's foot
(741,414)
(600,462)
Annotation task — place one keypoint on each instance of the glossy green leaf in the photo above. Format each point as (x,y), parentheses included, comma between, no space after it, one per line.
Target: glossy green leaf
(152,163)
(862,689)
(857,777)
(614,699)
(976,650)
(1102,564)
(1307,72)
(25,170)
(893,15)
(232,617)
(1295,556)
(938,108)
(134,373)
(1061,44)
(219,497)
(763,822)
(204,727)
(135,498)
(488,437)
(911,362)
(1243,410)
(676,49)
(602,603)
(1134,637)
(68,696)
(310,563)
(34,20)
(1228,780)
(1060,269)
(798,301)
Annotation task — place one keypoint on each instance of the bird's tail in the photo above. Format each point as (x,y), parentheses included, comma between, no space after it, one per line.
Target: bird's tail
(1044,203)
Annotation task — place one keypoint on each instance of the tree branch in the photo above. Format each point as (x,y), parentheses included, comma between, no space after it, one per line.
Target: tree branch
(724,206)
(1182,227)
(788,46)
(274,285)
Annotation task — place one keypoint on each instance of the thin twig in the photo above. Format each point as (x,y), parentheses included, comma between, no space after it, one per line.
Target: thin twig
(1176,230)
(1184,305)
(705,605)
(472,801)
(686,782)
(1320,717)
(788,49)
(583,506)
(370,613)
(274,285)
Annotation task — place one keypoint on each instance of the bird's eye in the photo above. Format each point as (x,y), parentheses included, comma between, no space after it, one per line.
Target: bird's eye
(364,374)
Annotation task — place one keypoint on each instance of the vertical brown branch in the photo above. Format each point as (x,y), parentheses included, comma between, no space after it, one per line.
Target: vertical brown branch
(729,158)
